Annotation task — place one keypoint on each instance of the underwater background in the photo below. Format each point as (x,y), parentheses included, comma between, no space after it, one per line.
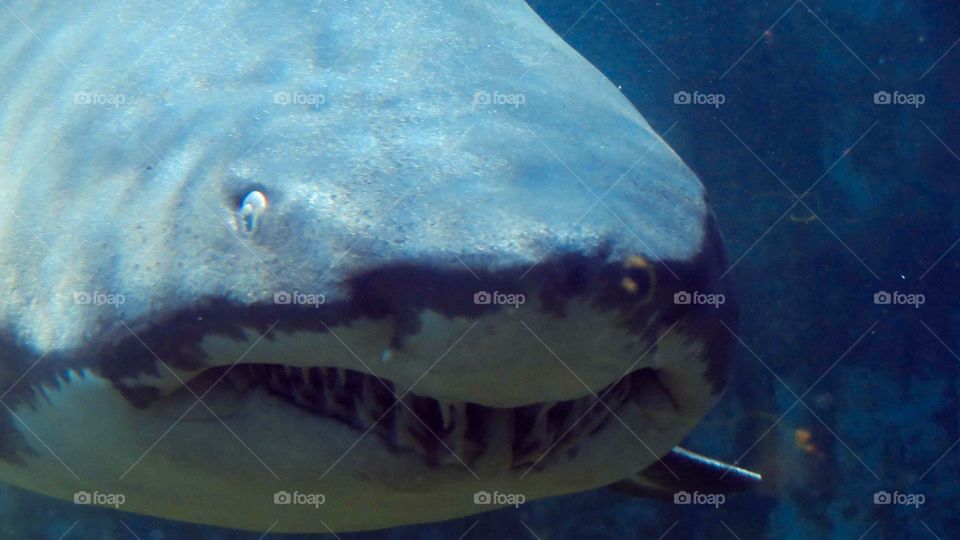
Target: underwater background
(826,135)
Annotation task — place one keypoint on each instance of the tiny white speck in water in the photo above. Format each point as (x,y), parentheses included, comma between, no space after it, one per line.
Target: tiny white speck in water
(252,207)
(386,355)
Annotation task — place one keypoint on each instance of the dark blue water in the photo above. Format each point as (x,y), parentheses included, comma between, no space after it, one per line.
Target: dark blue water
(837,399)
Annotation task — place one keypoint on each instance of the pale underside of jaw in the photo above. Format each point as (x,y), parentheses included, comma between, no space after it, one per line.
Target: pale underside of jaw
(302,446)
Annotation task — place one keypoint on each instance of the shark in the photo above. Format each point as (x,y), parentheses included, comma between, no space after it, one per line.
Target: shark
(335,266)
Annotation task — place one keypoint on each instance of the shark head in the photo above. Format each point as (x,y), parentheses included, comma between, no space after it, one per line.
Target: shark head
(320,266)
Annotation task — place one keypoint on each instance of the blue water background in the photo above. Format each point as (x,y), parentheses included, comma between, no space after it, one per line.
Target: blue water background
(879,383)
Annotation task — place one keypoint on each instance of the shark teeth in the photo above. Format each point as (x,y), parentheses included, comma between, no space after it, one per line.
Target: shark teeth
(446,432)
(447,410)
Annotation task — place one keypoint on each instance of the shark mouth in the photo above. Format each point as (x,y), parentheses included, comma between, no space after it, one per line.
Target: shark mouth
(448,432)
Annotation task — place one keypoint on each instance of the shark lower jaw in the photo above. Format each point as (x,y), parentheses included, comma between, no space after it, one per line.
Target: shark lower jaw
(443,432)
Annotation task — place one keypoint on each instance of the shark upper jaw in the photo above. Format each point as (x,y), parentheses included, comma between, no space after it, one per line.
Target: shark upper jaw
(582,323)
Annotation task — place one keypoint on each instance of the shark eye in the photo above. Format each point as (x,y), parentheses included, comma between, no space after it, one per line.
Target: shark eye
(252,207)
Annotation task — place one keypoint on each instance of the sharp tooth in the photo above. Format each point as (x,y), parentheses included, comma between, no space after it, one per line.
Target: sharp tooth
(540,425)
(458,435)
(597,415)
(329,387)
(368,403)
(296,377)
(407,423)
(242,377)
(581,428)
(315,377)
(282,382)
(446,411)
(329,378)
(576,418)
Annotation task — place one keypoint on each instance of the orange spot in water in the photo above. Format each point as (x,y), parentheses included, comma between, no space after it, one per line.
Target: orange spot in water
(804,440)
(636,261)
